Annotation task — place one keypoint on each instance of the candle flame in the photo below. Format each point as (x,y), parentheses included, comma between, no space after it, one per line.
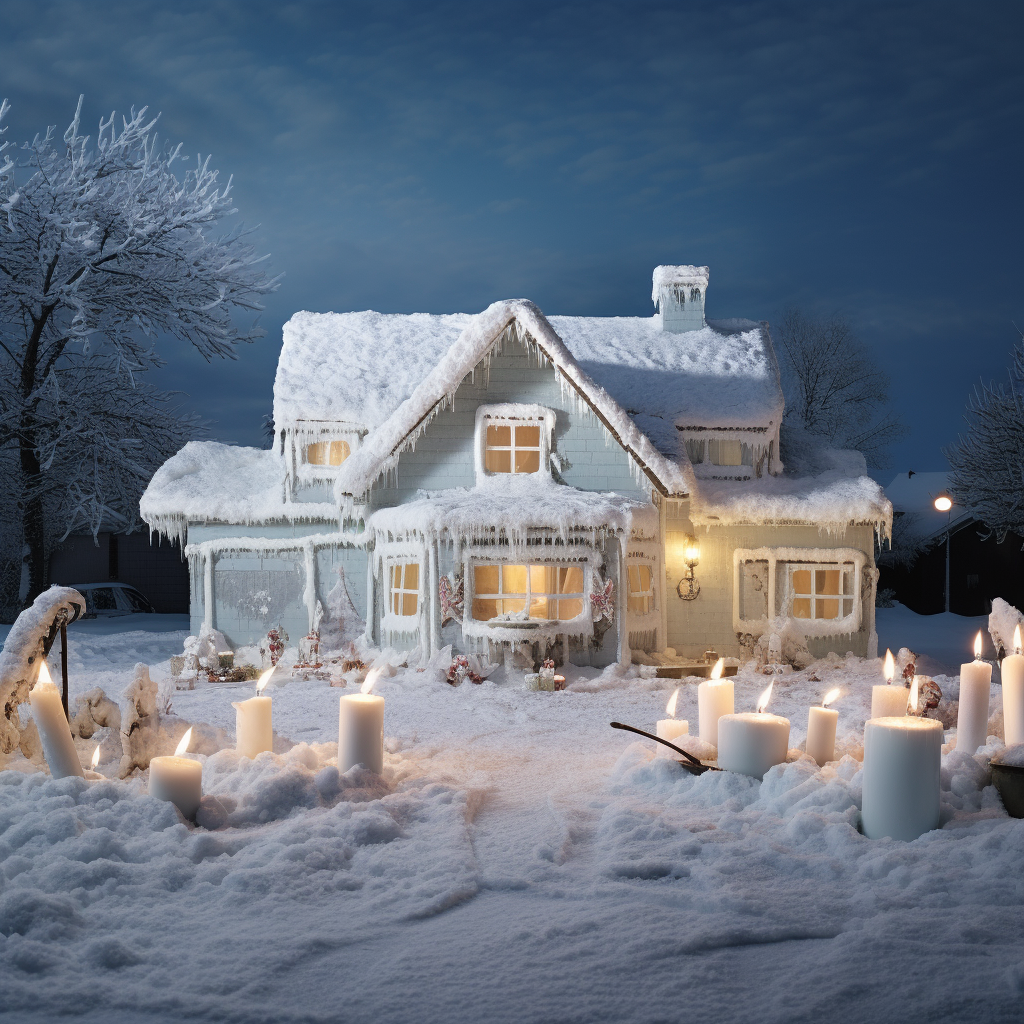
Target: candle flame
(670,707)
(912,702)
(44,674)
(261,683)
(371,678)
(830,696)
(890,666)
(95,757)
(183,742)
(762,701)
(977,645)
(1016,639)
(716,672)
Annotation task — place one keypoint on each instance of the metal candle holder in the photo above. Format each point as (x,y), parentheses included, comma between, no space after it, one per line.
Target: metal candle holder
(691,764)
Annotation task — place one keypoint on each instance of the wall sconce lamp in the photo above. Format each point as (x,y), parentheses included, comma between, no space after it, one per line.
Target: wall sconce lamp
(688,587)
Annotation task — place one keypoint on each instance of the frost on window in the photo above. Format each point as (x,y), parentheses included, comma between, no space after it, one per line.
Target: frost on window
(753,590)
(727,452)
(512,448)
(405,588)
(326,453)
(547,592)
(262,596)
(640,591)
(821,591)
(695,450)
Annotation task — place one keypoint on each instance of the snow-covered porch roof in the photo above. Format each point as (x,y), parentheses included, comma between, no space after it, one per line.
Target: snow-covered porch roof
(513,510)
(482,334)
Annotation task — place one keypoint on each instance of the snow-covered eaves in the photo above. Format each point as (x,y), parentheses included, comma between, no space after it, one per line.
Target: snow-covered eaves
(381,448)
(209,482)
(677,277)
(513,509)
(831,502)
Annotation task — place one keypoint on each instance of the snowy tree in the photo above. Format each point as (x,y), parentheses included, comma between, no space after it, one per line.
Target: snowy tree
(105,249)
(987,464)
(833,389)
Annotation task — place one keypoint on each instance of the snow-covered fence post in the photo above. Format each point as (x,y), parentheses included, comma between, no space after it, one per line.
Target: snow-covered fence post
(30,639)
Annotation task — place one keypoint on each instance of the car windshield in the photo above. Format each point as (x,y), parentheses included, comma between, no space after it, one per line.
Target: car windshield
(136,600)
(102,599)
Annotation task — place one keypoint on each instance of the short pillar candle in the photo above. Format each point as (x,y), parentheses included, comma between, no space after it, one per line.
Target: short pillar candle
(753,742)
(972,715)
(888,701)
(671,729)
(821,734)
(361,732)
(177,779)
(1013,693)
(902,757)
(715,698)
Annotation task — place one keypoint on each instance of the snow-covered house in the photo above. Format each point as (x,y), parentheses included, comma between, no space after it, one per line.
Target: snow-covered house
(602,486)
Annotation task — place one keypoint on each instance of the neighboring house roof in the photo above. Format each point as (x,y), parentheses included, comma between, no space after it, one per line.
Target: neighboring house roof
(914,495)
(381,449)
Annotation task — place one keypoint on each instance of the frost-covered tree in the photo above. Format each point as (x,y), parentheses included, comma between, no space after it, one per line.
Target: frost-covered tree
(833,388)
(987,463)
(106,248)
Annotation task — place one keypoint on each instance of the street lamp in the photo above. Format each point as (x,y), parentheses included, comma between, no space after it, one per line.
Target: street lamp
(944,504)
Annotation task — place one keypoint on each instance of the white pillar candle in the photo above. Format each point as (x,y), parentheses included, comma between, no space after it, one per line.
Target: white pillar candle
(902,757)
(715,697)
(254,731)
(670,729)
(972,715)
(177,779)
(1013,694)
(54,730)
(888,701)
(751,743)
(821,734)
(361,732)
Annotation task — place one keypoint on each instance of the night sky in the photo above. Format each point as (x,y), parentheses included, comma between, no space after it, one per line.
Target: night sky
(860,158)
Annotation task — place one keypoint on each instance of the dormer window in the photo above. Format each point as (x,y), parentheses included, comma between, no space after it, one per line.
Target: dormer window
(513,440)
(326,453)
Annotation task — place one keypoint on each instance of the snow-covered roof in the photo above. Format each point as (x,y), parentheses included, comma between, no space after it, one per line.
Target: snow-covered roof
(359,367)
(212,482)
(494,512)
(831,502)
(379,453)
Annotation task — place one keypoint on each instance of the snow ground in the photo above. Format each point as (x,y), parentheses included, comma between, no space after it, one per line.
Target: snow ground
(520,862)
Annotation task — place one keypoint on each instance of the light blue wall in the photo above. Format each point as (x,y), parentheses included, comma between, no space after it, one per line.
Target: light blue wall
(443,456)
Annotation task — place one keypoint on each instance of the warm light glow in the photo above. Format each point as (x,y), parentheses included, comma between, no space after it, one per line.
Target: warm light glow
(95,757)
(371,677)
(692,551)
(670,707)
(44,675)
(261,683)
(1016,639)
(912,702)
(977,645)
(829,697)
(942,503)
(183,742)
(716,672)
(890,666)
(762,701)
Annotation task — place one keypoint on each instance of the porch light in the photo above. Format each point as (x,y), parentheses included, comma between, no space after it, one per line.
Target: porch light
(688,587)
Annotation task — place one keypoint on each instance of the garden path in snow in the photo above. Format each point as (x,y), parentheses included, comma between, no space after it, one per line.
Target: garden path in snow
(521,862)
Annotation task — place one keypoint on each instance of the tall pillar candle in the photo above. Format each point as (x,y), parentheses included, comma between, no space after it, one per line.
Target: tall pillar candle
(821,734)
(1013,696)
(972,716)
(752,743)
(361,732)
(177,779)
(902,757)
(54,730)
(715,697)
(254,729)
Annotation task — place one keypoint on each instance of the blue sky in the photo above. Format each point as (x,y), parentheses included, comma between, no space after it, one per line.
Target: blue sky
(854,157)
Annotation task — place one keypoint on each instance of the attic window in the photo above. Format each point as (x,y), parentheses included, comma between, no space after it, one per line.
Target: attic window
(548,592)
(513,439)
(719,451)
(326,453)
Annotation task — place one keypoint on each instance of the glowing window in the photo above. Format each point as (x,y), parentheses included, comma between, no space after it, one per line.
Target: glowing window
(550,592)
(405,588)
(512,448)
(726,452)
(640,592)
(821,591)
(327,453)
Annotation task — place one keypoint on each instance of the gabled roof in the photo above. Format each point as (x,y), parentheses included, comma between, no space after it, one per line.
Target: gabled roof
(381,449)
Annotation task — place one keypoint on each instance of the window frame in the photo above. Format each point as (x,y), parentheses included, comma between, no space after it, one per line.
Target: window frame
(583,596)
(844,568)
(648,595)
(801,558)
(404,563)
(329,442)
(513,415)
